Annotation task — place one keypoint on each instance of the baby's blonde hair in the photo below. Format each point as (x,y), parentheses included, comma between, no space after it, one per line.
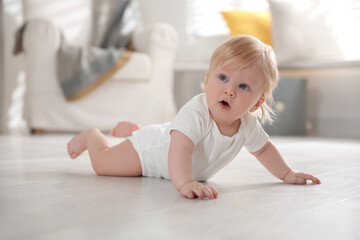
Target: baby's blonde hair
(245,51)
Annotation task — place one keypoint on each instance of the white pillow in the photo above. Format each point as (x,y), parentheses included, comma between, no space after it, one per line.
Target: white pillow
(304,30)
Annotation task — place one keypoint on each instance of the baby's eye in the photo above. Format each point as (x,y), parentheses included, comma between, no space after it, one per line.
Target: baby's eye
(223,77)
(243,86)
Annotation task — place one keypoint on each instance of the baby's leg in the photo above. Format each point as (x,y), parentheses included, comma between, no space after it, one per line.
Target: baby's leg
(124,129)
(119,160)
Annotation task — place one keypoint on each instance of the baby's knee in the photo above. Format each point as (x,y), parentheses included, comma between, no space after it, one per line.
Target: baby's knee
(93,131)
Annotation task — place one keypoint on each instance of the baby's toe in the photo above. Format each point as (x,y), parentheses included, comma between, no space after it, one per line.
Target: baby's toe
(74,155)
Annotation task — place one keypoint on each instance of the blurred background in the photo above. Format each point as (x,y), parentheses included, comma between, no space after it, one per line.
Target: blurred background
(316,42)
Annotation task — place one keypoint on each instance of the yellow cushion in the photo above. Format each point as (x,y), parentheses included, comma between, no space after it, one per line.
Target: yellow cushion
(253,23)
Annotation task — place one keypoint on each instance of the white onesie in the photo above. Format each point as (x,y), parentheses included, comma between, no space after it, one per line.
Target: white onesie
(212,150)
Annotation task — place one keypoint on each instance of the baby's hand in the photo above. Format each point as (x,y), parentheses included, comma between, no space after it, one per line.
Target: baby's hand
(195,189)
(300,178)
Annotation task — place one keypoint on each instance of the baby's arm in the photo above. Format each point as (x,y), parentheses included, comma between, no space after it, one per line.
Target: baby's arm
(271,159)
(180,168)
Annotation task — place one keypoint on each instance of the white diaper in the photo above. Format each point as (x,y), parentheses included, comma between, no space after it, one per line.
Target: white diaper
(152,145)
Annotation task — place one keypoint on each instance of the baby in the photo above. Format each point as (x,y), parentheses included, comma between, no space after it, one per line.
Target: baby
(207,133)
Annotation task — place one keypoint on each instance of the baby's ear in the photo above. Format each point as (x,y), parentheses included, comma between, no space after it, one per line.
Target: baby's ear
(203,85)
(262,99)
(206,78)
(258,103)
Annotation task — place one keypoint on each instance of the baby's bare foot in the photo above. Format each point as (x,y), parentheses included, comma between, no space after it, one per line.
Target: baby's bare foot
(77,145)
(124,129)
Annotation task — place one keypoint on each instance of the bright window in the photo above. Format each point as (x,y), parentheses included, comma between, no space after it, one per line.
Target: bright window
(204,17)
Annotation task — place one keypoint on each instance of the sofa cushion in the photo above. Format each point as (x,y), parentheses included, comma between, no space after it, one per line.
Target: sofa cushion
(137,69)
(304,30)
(253,23)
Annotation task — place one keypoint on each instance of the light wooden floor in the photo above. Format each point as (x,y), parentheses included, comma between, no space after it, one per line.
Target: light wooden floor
(45,195)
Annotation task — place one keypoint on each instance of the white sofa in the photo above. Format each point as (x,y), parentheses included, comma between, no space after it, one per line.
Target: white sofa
(142,91)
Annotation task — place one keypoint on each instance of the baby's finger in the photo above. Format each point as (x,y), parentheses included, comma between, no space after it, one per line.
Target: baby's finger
(208,193)
(316,180)
(307,176)
(188,194)
(214,191)
(198,192)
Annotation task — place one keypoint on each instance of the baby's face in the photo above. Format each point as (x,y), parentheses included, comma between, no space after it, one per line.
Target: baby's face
(231,93)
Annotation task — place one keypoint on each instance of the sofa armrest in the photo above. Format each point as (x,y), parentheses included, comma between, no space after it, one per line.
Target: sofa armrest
(156,40)
(41,42)
(41,36)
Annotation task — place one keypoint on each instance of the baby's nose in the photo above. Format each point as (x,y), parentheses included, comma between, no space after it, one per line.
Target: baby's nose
(230,91)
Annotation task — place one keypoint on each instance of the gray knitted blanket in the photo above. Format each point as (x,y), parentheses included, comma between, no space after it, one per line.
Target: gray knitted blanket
(81,69)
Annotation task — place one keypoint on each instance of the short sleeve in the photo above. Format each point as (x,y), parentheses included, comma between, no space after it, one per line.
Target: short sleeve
(192,119)
(255,135)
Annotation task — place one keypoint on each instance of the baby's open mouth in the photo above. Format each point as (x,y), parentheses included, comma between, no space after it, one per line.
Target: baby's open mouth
(224,104)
